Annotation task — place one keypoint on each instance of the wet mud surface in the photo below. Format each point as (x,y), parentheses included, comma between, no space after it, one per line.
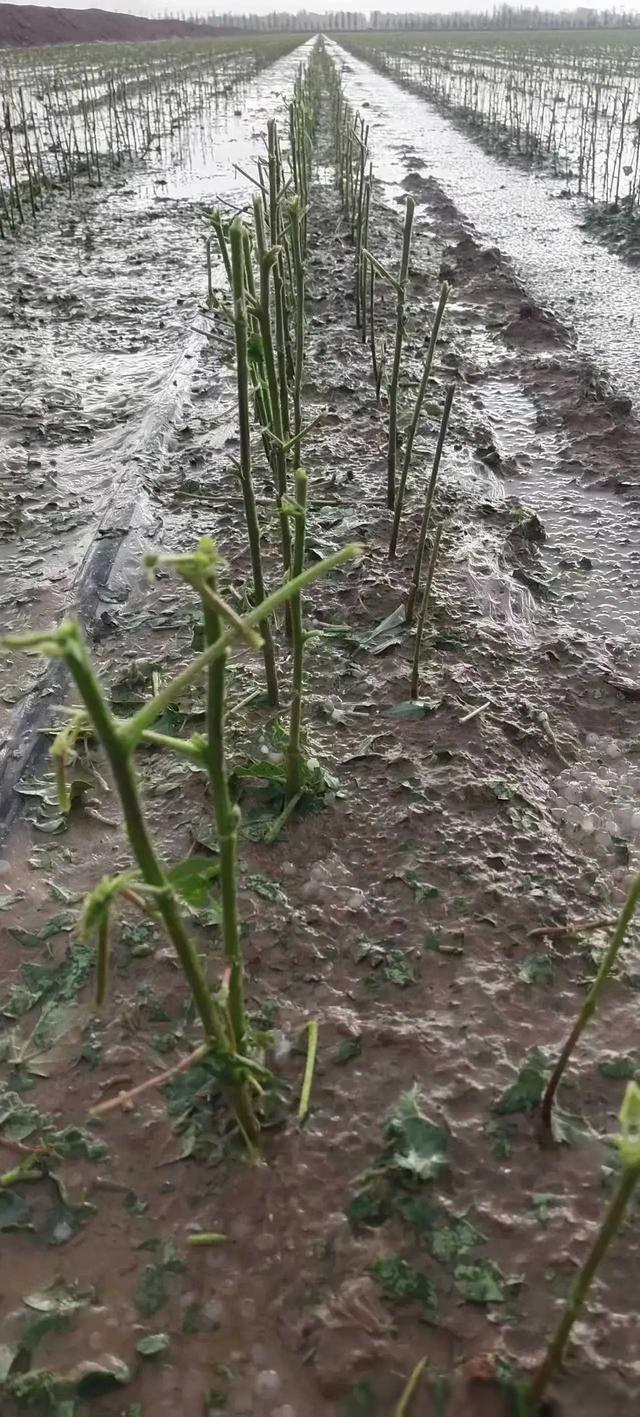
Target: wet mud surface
(408,916)
(523,211)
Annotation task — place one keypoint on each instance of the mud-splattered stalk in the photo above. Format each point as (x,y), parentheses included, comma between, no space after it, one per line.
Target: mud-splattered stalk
(401,294)
(629,1149)
(240,326)
(298,267)
(294,753)
(591,1002)
(413,426)
(415,672)
(426,514)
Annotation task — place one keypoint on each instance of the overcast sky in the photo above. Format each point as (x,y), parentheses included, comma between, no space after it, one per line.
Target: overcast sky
(264,7)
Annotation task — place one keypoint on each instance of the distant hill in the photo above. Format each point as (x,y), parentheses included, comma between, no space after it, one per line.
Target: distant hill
(40,24)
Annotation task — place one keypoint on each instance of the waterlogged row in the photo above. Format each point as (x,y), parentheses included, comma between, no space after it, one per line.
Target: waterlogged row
(71,116)
(579,113)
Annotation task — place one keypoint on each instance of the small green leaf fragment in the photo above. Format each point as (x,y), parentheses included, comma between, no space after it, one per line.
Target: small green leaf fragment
(152,1344)
(402,1284)
(368,1210)
(480,1283)
(191,879)
(525,1094)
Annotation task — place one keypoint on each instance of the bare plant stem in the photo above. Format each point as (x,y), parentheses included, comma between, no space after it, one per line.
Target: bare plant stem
(392,452)
(294,753)
(227,818)
(278,282)
(120,760)
(298,267)
(608,1230)
(251,514)
(377,363)
(591,1002)
(415,672)
(424,525)
(413,426)
(267,258)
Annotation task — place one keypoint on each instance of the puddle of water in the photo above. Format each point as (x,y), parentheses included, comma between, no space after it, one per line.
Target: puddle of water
(588,287)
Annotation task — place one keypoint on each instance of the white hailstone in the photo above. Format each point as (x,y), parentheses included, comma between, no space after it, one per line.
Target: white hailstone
(588,824)
(635,821)
(267,1383)
(603,839)
(573,816)
(613,749)
(571,792)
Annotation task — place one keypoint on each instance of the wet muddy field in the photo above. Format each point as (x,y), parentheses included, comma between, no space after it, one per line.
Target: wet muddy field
(423,914)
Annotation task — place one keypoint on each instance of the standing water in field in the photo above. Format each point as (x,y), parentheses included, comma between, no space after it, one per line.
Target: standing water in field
(101,324)
(589,289)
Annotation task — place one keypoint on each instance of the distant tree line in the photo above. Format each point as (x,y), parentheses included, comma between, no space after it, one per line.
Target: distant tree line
(502,17)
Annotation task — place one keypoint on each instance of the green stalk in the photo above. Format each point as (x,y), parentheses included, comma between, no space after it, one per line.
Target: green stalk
(119,755)
(413,426)
(278,283)
(377,364)
(397,353)
(591,1002)
(227,817)
(251,514)
(424,525)
(298,266)
(216,222)
(415,672)
(267,259)
(629,1147)
(294,753)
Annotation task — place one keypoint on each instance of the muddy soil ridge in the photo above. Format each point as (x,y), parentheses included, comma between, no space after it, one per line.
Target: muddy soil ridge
(419,917)
(25,25)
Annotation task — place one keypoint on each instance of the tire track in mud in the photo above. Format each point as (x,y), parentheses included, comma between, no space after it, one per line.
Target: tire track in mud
(103,320)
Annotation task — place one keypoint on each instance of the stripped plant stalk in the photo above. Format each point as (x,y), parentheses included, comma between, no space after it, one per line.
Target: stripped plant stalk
(378,364)
(401,288)
(267,257)
(629,1149)
(413,426)
(415,672)
(294,752)
(298,266)
(591,1002)
(362,260)
(251,514)
(227,814)
(278,280)
(424,525)
(218,226)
